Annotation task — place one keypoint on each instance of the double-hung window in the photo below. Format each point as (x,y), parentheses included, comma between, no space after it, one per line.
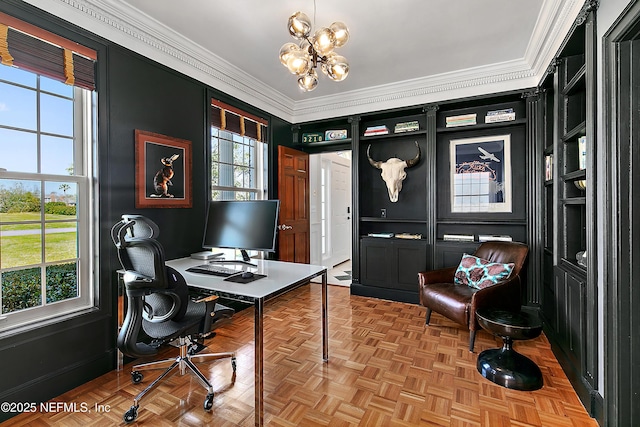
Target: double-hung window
(46,169)
(238,157)
(238,154)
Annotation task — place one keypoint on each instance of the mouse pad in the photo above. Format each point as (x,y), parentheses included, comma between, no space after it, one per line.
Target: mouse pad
(238,278)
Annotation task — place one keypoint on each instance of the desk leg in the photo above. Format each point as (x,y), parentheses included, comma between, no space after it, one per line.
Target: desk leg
(259,361)
(325,320)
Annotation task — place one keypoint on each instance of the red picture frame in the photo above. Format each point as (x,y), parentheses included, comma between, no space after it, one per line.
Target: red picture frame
(163,171)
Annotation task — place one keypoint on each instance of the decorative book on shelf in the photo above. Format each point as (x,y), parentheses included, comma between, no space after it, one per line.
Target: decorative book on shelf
(497,116)
(406,127)
(408,236)
(548,167)
(376,130)
(459,237)
(384,235)
(582,152)
(462,120)
(494,237)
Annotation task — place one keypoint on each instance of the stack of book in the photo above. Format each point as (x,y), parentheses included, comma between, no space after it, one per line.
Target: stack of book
(496,116)
(582,152)
(406,127)
(376,130)
(493,237)
(408,236)
(548,167)
(384,235)
(459,237)
(463,120)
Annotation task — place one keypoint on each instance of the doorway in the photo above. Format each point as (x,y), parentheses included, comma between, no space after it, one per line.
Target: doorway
(331,214)
(621,161)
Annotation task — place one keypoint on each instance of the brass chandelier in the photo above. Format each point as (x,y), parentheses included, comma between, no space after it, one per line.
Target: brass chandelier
(303,58)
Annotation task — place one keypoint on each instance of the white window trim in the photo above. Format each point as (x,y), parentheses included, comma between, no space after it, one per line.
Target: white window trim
(35,317)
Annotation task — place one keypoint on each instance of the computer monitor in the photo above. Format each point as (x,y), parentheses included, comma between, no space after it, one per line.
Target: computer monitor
(242,224)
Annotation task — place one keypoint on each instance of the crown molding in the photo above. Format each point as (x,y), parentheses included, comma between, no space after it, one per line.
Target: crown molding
(554,23)
(114,21)
(502,77)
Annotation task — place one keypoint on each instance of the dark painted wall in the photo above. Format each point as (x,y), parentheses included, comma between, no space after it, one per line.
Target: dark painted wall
(145,96)
(133,93)
(43,362)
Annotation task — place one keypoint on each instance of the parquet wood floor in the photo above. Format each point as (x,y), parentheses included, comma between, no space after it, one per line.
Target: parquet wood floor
(385,369)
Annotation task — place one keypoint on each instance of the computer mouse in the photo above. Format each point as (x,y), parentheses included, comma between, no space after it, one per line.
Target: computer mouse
(247,275)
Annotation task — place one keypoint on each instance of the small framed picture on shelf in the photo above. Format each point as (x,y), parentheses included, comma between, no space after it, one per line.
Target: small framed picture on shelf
(481,174)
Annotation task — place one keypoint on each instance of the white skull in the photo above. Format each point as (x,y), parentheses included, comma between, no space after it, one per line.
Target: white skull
(393,172)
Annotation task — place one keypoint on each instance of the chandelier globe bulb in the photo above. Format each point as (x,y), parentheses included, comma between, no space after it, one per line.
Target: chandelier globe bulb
(309,81)
(324,41)
(341,32)
(299,25)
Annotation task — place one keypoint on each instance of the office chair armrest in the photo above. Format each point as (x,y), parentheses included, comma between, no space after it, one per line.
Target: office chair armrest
(209,298)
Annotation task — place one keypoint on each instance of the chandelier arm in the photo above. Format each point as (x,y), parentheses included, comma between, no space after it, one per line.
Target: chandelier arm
(315,58)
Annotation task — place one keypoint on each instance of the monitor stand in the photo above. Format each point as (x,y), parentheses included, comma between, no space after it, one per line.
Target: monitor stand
(206,255)
(245,260)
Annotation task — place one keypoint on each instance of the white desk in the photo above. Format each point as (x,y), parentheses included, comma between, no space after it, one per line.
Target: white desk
(281,277)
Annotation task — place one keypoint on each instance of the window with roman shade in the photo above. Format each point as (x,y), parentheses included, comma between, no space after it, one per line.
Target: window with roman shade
(31,48)
(238,154)
(47,204)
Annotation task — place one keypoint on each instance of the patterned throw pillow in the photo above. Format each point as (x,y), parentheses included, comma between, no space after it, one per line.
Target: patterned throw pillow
(480,273)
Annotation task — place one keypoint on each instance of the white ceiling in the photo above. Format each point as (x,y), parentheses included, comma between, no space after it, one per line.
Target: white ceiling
(402,52)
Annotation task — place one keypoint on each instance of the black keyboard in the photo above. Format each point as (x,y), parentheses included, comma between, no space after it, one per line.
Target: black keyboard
(214,270)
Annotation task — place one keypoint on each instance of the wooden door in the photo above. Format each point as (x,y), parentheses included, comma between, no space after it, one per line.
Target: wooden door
(293,192)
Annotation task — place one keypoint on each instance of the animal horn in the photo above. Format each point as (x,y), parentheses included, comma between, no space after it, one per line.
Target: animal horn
(375,164)
(416,159)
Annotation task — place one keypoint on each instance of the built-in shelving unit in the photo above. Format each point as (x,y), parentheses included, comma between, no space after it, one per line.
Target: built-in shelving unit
(312,137)
(384,265)
(388,267)
(453,221)
(569,289)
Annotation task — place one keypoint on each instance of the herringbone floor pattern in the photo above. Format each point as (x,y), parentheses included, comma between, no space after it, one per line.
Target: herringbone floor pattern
(385,369)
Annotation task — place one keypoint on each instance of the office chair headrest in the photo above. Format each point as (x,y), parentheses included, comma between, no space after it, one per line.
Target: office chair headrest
(133,227)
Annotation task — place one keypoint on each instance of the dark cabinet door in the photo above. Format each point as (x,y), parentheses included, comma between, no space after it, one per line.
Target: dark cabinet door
(392,263)
(410,258)
(376,262)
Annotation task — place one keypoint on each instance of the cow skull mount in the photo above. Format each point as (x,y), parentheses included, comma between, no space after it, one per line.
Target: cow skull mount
(393,171)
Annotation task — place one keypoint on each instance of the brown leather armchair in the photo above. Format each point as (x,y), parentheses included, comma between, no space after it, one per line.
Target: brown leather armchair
(439,293)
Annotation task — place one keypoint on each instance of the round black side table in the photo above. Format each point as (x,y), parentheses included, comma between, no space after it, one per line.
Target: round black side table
(504,366)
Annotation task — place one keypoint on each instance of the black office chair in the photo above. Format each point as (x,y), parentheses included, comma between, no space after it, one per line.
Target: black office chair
(158,300)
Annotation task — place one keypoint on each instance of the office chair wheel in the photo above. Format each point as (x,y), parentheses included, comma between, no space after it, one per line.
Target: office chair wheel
(233,363)
(208,402)
(131,415)
(136,377)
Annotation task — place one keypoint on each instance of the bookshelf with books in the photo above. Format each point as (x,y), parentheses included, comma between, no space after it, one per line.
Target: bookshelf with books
(569,283)
(394,238)
(460,229)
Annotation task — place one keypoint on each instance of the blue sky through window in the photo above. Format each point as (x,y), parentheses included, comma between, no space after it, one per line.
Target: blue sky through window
(19,124)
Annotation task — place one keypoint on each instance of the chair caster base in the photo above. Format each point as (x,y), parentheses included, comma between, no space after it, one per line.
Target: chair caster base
(136,377)
(208,402)
(131,415)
